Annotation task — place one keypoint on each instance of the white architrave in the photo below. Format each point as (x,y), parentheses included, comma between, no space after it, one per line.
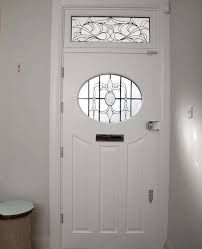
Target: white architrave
(55,115)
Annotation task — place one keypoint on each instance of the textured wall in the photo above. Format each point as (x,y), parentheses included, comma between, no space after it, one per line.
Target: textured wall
(185,206)
(24,106)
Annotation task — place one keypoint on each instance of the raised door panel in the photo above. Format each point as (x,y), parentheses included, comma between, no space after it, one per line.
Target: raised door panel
(109,181)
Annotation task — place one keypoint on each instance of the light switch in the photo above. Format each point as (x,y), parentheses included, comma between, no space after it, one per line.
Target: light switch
(190,112)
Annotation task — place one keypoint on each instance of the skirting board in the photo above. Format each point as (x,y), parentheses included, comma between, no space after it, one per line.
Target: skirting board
(43,243)
(168,245)
(40,242)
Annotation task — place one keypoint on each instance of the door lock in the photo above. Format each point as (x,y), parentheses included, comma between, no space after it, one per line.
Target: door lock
(153,125)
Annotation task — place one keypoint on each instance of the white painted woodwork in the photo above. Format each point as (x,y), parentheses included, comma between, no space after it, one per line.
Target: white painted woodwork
(162,46)
(105,184)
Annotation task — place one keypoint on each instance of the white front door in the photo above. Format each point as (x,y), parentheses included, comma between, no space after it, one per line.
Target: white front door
(106,184)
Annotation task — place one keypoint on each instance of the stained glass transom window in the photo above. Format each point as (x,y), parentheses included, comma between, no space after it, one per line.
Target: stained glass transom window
(111,29)
(110,98)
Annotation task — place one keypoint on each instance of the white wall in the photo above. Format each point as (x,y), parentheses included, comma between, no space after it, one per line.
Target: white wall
(25,34)
(185,206)
(24,114)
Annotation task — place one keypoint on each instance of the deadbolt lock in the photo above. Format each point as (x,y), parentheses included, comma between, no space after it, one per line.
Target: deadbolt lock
(153,125)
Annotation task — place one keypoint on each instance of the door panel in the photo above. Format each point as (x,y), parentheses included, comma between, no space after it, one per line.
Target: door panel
(134,187)
(81,167)
(105,184)
(109,166)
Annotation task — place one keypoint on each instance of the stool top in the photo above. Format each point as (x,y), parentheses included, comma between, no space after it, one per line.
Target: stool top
(15,208)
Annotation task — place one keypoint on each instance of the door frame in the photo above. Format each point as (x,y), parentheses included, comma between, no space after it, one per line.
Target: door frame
(163,10)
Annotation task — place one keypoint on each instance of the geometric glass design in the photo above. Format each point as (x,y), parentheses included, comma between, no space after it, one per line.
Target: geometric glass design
(110,98)
(110,29)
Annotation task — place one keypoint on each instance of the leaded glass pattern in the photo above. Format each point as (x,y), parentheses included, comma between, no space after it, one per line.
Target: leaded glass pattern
(110,98)
(111,29)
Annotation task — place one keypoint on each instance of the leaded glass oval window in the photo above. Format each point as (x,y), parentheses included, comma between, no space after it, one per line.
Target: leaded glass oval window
(110,98)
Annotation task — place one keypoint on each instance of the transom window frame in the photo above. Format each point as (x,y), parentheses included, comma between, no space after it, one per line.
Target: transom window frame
(67,29)
(110,29)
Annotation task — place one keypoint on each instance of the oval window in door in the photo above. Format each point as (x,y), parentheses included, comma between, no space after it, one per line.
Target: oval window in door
(110,98)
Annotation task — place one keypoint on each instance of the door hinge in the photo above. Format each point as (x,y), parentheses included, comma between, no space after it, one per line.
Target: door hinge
(152,52)
(61,152)
(151,195)
(62,107)
(153,125)
(61,218)
(167,9)
(62,72)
